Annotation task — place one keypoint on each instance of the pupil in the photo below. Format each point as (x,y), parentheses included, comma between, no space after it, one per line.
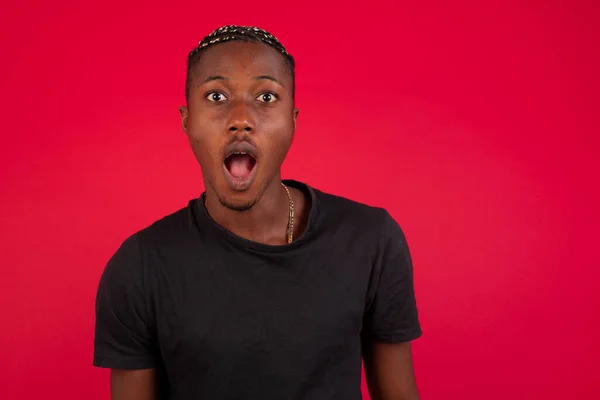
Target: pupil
(216,96)
(267,97)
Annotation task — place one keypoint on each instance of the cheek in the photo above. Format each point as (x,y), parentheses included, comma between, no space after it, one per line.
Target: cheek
(278,140)
(205,145)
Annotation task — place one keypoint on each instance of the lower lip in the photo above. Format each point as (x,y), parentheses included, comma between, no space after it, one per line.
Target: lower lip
(240,184)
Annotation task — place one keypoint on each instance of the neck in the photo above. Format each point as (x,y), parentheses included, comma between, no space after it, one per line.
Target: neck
(266,222)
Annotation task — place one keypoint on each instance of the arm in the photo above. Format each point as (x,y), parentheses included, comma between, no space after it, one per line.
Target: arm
(389,371)
(391,320)
(133,384)
(123,340)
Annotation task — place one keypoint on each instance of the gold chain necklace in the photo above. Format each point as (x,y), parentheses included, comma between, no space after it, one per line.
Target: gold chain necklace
(290,228)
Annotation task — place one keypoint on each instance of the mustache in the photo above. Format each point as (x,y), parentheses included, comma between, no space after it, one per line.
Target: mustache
(243,144)
(246,138)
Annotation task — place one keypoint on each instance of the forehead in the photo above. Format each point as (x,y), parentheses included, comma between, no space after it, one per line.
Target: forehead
(241,59)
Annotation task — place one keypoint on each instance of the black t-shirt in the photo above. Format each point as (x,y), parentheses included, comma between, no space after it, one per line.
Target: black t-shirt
(222,317)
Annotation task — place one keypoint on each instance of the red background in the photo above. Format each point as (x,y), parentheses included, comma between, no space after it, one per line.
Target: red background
(474,123)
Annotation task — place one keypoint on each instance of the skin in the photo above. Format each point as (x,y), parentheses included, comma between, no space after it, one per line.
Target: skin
(389,371)
(250,101)
(133,384)
(243,92)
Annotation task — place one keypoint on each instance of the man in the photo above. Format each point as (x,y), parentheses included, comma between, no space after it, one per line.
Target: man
(261,288)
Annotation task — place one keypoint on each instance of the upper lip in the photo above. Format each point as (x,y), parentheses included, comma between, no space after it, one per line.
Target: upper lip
(240,148)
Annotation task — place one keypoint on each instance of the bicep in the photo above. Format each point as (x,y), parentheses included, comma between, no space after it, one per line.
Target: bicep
(391,313)
(389,371)
(391,321)
(133,384)
(124,337)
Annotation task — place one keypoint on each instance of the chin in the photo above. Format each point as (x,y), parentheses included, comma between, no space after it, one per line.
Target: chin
(239,205)
(239,189)
(237,200)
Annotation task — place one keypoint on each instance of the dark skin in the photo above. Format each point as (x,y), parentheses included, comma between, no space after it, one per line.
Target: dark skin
(389,371)
(243,92)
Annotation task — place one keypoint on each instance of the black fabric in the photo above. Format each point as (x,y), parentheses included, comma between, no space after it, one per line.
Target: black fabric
(222,317)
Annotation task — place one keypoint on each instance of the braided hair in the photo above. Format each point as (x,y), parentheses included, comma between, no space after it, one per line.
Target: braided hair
(240,33)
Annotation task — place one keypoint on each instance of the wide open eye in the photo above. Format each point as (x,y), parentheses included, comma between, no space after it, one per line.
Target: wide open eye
(267,97)
(216,97)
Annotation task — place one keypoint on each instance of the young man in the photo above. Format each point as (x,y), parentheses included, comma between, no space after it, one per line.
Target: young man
(261,288)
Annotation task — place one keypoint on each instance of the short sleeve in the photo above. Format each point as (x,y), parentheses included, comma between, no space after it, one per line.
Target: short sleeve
(122,336)
(391,315)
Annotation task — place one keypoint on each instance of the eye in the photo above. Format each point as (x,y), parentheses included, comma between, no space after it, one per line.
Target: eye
(267,98)
(215,97)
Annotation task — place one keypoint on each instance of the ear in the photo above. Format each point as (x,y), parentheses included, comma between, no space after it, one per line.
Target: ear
(183,111)
(295,114)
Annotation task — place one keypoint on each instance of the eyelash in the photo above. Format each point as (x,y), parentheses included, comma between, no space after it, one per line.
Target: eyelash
(275,97)
(222,94)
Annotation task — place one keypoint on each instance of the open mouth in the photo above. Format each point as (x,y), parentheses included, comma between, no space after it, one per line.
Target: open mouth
(240,165)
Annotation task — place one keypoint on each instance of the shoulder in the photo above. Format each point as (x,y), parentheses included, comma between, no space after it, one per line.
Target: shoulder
(138,252)
(366,221)
(349,212)
(171,231)
(173,223)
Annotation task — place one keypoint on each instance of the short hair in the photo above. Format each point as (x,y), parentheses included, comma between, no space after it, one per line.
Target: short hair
(240,33)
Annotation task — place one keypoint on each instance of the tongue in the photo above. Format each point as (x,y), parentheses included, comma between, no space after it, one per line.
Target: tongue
(240,165)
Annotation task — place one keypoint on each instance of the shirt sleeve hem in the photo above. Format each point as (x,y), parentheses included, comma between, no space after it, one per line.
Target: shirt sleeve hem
(397,337)
(123,363)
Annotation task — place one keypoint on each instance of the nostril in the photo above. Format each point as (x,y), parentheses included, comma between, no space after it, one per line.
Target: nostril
(247,128)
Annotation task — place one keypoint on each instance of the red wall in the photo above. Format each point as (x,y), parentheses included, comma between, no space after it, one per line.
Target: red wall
(474,123)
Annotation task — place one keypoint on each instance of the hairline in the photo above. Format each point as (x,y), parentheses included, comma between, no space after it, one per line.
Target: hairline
(195,58)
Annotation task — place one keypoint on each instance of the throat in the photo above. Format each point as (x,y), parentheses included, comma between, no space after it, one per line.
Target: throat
(266,222)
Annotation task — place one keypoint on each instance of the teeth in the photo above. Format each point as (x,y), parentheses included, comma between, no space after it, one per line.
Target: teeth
(238,153)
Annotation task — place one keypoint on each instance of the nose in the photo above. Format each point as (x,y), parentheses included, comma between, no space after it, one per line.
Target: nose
(241,119)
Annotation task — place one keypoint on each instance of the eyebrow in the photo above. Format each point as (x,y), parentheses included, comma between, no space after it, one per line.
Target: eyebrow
(258,78)
(215,78)
(268,77)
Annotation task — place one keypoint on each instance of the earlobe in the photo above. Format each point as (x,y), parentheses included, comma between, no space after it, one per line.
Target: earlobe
(183,111)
